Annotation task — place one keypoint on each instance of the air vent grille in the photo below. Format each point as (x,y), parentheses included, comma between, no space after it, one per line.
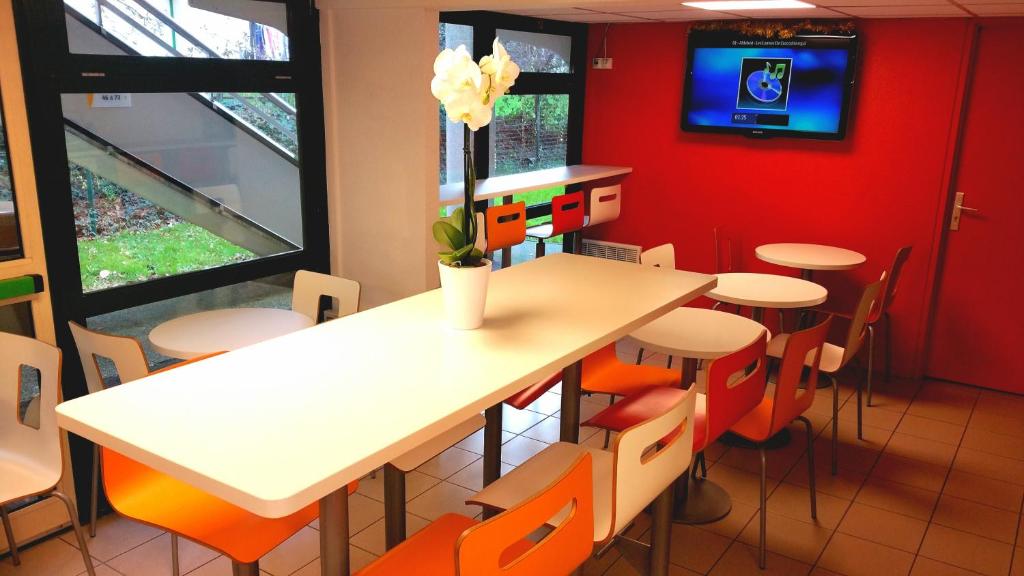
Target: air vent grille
(612,251)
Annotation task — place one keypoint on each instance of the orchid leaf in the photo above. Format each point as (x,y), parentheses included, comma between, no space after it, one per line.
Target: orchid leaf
(447,235)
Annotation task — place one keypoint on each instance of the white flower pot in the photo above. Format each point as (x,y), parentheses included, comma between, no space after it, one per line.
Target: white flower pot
(465,294)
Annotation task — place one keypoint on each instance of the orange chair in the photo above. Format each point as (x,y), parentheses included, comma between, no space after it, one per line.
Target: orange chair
(788,403)
(505,228)
(567,214)
(733,390)
(457,545)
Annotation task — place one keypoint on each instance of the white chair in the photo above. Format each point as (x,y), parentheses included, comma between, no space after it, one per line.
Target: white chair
(30,458)
(663,256)
(310,286)
(626,479)
(605,205)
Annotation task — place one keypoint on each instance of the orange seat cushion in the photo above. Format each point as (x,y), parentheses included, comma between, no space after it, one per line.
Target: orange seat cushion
(648,404)
(432,550)
(141,493)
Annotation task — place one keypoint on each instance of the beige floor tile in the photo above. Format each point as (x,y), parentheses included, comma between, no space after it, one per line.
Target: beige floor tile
(851,457)
(475,441)
(472,477)
(102,570)
(741,485)
(874,438)
(936,430)
(520,449)
(990,466)
(696,549)
(416,483)
(779,461)
(358,559)
(448,462)
(115,535)
(854,556)
(966,550)
(791,538)
(735,522)
(219,566)
(518,421)
(997,403)
(742,560)
(548,404)
(293,553)
(154,557)
(362,511)
(620,567)
(794,501)
(441,499)
(53,557)
(876,418)
(994,443)
(547,431)
(372,538)
(844,484)
(907,446)
(998,424)
(915,473)
(818,571)
(884,527)
(1018,562)
(928,567)
(995,493)
(899,498)
(937,410)
(977,518)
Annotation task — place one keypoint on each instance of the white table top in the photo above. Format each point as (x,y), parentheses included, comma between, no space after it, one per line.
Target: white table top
(498,186)
(767,291)
(698,333)
(223,330)
(810,256)
(278,425)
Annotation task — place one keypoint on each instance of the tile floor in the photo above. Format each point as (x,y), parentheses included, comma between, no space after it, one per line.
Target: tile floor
(935,488)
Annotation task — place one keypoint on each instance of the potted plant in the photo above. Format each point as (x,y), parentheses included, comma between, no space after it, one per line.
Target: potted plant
(468,91)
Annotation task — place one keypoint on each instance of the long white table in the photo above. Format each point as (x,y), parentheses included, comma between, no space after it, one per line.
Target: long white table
(499,186)
(286,422)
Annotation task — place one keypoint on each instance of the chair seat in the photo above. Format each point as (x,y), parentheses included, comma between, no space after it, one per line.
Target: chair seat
(23,477)
(427,450)
(141,493)
(650,403)
(831,355)
(542,231)
(527,396)
(432,550)
(626,379)
(540,471)
(755,426)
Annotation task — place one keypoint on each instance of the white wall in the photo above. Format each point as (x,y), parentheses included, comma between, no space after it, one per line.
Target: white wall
(382,147)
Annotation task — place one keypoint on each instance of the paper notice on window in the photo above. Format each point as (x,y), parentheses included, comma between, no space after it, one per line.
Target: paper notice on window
(110,100)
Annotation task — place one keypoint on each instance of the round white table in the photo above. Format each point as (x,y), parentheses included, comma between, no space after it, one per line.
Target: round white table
(223,330)
(809,257)
(698,334)
(760,291)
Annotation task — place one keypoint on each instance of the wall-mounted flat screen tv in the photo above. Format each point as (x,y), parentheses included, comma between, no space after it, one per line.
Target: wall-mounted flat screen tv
(798,86)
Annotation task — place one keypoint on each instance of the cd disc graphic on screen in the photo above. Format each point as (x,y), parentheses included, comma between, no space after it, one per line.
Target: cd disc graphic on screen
(763,86)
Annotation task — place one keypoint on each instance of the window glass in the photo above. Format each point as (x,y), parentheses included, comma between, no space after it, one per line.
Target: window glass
(10,241)
(535,52)
(17,319)
(452,36)
(529,132)
(235,29)
(168,183)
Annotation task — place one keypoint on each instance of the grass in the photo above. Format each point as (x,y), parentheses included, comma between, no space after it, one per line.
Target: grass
(131,257)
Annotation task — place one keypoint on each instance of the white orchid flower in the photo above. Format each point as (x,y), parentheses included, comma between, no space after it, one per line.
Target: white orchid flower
(468,90)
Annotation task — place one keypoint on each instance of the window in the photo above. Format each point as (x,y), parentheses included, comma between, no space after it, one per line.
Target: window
(10,241)
(452,138)
(534,52)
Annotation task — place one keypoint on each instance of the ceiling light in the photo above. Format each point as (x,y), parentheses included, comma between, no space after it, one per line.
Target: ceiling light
(730,5)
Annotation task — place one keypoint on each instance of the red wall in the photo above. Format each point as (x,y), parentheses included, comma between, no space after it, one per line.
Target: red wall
(879,189)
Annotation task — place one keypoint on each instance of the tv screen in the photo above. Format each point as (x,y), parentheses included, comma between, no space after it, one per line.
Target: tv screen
(798,86)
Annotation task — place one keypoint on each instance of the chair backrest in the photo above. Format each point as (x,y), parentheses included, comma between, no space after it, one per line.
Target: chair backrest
(310,286)
(567,213)
(859,323)
(730,398)
(640,476)
(801,355)
(892,280)
(480,549)
(663,256)
(126,354)
(40,446)
(506,226)
(605,204)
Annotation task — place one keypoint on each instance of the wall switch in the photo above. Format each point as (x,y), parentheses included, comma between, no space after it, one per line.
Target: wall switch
(602,63)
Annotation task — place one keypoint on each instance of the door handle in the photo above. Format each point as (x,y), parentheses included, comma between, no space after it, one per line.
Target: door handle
(958,210)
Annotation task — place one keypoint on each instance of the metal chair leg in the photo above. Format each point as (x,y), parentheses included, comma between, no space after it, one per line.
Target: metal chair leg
(250,569)
(835,424)
(871,359)
(94,496)
(810,465)
(888,347)
(782,321)
(669,365)
(762,546)
(640,356)
(541,249)
(175,566)
(608,433)
(73,514)
(860,407)
(12,545)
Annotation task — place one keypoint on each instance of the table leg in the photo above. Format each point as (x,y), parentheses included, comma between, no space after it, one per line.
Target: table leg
(689,371)
(394,506)
(699,500)
(492,444)
(757,315)
(807,275)
(570,415)
(661,533)
(334,560)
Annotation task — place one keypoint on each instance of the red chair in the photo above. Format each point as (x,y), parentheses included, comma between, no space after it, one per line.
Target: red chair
(567,214)
(788,403)
(735,386)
